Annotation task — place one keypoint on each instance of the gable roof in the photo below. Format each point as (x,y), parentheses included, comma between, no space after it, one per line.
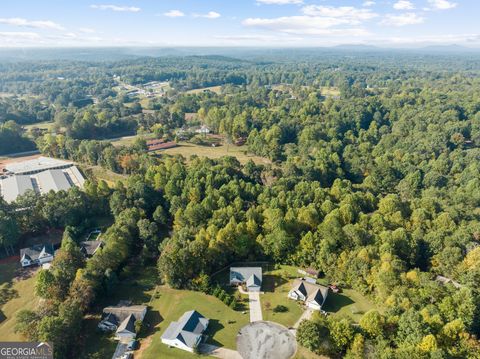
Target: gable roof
(34,252)
(313,292)
(127,325)
(188,329)
(90,247)
(245,273)
(122,312)
(253,281)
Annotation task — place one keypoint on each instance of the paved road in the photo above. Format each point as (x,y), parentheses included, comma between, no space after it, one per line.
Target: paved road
(255,307)
(218,352)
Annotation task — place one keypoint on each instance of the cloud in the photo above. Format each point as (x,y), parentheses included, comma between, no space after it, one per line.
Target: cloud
(349,14)
(209,15)
(37,24)
(368,3)
(403,5)
(318,20)
(116,8)
(86,30)
(280,2)
(403,19)
(442,4)
(305,25)
(174,13)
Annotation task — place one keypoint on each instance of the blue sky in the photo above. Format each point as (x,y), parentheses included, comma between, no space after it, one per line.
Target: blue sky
(276,23)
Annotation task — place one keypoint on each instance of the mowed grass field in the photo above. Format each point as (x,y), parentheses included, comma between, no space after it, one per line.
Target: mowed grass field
(16,293)
(170,304)
(165,305)
(216,89)
(276,285)
(240,152)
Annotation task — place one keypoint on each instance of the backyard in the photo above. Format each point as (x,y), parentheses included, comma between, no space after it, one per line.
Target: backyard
(16,293)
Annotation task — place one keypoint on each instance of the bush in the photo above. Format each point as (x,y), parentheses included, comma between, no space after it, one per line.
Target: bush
(280,309)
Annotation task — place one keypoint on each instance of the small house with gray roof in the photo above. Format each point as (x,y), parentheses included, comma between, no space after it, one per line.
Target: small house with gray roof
(187,333)
(313,295)
(250,276)
(121,319)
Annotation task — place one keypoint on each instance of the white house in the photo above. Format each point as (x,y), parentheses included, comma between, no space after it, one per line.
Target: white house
(313,295)
(37,255)
(187,333)
(250,276)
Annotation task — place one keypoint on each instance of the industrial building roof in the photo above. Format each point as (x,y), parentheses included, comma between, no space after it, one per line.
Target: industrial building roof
(52,180)
(36,165)
(12,187)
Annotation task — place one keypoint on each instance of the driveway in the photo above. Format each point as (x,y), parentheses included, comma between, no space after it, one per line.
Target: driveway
(307,314)
(218,352)
(120,350)
(255,307)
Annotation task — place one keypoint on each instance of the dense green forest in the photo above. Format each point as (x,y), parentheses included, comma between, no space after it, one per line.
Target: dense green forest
(377,186)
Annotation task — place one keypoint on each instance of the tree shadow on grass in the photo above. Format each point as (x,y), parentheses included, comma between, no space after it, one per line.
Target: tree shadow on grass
(2,317)
(214,326)
(271,281)
(7,293)
(335,302)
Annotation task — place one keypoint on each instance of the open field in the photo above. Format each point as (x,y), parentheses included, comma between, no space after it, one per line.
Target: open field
(16,293)
(329,91)
(216,89)
(188,149)
(106,175)
(41,125)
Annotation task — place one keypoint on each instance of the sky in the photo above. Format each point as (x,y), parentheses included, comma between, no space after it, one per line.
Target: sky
(272,23)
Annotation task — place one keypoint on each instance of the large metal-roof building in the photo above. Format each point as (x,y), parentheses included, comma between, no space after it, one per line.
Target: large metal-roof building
(41,176)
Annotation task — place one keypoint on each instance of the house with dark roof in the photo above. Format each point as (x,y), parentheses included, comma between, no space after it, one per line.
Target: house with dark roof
(250,276)
(89,248)
(313,295)
(37,255)
(187,333)
(121,319)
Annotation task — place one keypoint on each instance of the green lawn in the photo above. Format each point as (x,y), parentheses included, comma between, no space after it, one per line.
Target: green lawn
(16,293)
(165,305)
(349,303)
(170,304)
(188,149)
(276,285)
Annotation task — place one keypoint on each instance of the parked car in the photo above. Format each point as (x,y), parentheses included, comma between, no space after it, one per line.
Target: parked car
(133,345)
(334,288)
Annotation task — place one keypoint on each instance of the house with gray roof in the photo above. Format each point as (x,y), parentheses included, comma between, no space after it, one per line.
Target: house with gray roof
(313,295)
(89,248)
(187,333)
(250,276)
(37,255)
(121,319)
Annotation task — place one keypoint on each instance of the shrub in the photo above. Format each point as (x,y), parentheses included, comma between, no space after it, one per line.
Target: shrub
(280,309)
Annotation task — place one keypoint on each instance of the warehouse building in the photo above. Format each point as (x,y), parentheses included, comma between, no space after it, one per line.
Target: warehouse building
(41,176)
